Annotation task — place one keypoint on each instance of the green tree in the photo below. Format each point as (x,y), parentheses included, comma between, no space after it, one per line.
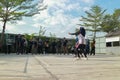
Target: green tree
(29,36)
(111,22)
(52,37)
(12,10)
(93,19)
(108,23)
(41,31)
(116,18)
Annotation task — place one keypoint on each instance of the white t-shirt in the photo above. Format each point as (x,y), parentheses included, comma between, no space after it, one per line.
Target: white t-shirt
(81,39)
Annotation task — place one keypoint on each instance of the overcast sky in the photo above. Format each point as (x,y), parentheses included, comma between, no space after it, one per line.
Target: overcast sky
(60,17)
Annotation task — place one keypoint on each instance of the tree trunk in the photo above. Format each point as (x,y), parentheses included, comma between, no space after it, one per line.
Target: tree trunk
(2,34)
(94,36)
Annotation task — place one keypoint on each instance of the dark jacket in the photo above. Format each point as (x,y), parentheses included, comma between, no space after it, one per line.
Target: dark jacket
(81,31)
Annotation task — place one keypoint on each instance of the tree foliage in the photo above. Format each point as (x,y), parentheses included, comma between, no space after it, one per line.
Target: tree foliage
(116,18)
(111,22)
(29,36)
(42,31)
(93,19)
(52,36)
(108,23)
(12,10)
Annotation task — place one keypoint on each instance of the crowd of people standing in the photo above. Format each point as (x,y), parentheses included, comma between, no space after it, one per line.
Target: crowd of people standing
(39,46)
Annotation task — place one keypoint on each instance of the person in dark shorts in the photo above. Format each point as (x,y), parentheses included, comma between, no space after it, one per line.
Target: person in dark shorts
(80,43)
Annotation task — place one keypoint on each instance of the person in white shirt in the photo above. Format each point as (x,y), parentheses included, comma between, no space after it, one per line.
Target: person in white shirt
(80,43)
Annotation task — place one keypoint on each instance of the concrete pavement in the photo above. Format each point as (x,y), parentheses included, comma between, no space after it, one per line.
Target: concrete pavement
(59,67)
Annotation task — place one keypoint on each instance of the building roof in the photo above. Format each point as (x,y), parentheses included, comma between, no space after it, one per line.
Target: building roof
(114,33)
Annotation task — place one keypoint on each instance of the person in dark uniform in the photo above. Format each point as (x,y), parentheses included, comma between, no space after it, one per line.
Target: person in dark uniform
(65,49)
(40,46)
(92,52)
(53,45)
(46,45)
(19,44)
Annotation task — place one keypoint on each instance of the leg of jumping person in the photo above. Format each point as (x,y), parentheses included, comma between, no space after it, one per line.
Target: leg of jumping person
(84,51)
(79,52)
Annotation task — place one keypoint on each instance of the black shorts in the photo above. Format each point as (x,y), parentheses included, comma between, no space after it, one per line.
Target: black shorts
(81,46)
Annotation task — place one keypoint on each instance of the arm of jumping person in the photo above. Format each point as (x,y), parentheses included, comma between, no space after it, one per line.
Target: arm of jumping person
(76,33)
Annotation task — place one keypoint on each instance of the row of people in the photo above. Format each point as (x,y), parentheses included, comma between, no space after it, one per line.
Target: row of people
(39,46)
(22,45)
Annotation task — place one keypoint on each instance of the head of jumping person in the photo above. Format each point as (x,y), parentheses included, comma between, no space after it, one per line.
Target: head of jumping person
(82,31)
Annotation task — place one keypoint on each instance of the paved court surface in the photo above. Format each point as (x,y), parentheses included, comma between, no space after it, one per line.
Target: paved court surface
(59,67)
